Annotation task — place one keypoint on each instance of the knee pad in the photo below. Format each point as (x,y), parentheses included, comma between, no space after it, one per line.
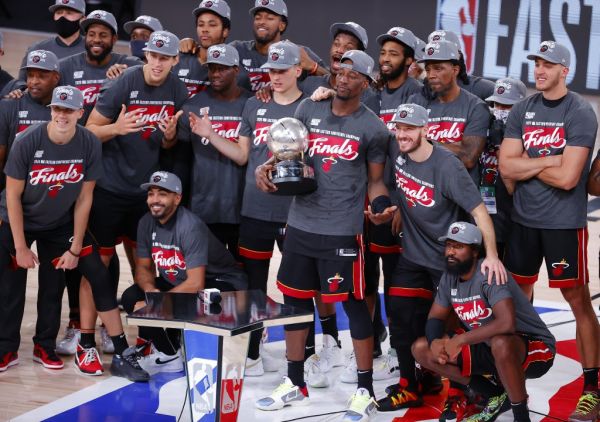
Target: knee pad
(359,318)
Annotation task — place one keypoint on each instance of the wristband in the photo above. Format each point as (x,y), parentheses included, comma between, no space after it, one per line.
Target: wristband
(73,253)
(434,329)
(379,204)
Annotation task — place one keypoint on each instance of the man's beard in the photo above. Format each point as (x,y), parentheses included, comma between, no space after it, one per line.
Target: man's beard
(459,268)
(98,58)
(395,73)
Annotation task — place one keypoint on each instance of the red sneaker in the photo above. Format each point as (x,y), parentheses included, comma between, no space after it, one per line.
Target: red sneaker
(88,361)
(144,347)
(7,360)
(455,406)
(47,358)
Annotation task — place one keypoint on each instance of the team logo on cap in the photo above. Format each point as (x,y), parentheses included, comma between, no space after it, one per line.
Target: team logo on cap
(395,31)
(208,4)
(144,19)
(161,41)
(500,90)
(274,57)
(403,114)
(66,1)
(502,87)
(156,178)
(264,2)
(36,59)
(97,15)
(63,96)
(216,54)
(430,51)
(547,45)
(455,230)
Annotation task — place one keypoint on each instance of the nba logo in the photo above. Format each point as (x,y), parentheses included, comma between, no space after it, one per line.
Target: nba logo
(460,17)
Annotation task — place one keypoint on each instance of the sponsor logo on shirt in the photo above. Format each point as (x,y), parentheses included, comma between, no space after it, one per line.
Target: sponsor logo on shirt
(151,116)
(529,114)
(183,72)
(315,122)
(261,111)
(38,154)
(169,259)
(332,148)
(544,139)
(133,94)
(415,191)
(55,176)
(78,74)
(445,132)
(472,312)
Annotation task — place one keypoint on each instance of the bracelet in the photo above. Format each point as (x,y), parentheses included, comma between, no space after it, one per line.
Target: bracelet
(76,255)
(314,69)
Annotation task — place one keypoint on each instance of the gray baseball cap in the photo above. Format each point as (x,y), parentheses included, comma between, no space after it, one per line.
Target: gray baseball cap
(552,52)
(282,55)
(444,35)
(77,5)
(463,232)
(148,22)
(276,6)
(419,49)
(439,51)
(219,7)
(361,62)
(401,35)
(163,42)
(67,96)
(352,28)
(411,114)
(103,18)
(42,59)
(223,54)
(164,180)
(508,91)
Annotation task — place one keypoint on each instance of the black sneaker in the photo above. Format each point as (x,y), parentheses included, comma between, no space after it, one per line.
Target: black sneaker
(430,382)
(401,398)
(126,365)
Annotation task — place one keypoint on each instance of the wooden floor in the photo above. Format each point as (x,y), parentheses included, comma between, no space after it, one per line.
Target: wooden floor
(28,385)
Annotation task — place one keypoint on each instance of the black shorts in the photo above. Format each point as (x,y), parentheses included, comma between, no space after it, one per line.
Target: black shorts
(565,253)
(381,240)
(312,263)
(413,280)
(258,237)
(115,217)
(477,359)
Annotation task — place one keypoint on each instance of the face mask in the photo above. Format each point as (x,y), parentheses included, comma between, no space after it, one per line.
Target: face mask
(65,28)
(137,47)
(501,115)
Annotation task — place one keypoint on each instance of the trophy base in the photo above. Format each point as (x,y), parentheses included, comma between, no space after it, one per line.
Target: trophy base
(294,185)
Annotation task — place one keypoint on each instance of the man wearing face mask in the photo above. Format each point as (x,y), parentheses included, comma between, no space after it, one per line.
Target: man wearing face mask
(139,31)
(507,92)
(67,15)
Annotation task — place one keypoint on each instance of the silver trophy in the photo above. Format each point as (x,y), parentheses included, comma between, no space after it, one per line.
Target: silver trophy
(288,141)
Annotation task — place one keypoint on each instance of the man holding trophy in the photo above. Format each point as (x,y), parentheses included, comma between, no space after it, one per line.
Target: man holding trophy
(346,147)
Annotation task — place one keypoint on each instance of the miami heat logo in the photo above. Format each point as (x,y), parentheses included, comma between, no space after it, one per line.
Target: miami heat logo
(334,282)
(393,33)
(55,176)
(216,54)
(403,114)
(97,16)
(558,268)
(159,43)
(544,48)
(430,51)
(274,57)
(63,96)
(500,90)
(35,59)
(65,1)
(170,261)
(208,4)
(264,2)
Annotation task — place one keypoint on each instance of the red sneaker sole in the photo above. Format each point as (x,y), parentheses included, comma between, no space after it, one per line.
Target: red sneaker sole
(92,374)
(11,363)
(48,365)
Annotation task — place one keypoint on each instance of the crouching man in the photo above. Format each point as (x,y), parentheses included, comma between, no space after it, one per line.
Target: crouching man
(503,338)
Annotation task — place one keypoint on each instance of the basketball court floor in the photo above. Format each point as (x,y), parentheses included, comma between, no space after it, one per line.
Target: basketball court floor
(31,393)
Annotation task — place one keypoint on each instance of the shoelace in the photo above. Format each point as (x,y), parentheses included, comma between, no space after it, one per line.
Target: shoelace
(90,356)
(281,388)
(359,402)
(586,403)
(402,396)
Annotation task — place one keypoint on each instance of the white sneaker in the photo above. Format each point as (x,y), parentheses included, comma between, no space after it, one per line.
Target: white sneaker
(254,367)
(106,342)
(287,394)
(386,367)
(349,374)
(312,373)
(330,355)
(270,362)
(161,362)
(68,344)
(361,406)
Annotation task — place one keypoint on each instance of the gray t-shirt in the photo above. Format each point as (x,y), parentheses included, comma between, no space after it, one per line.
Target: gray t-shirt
(217,182)
(369,97)
(195,75)
(473,300)
(257,118)
(546,129)
(17,115)
(76,71)
(55,45)
(129,160)
(478,86)
(391,99)
(183,243)
(53,174)
(433,194)
(449,122)
(252,61)
(339,149)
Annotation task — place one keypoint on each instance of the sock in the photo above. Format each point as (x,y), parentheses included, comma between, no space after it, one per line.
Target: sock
(485,386)
(120,343)
(406,362)
(88,340)
(296,373)
(590,379)
(365,380)
(309,349)
(329,326)
(520,411)
(254,346)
